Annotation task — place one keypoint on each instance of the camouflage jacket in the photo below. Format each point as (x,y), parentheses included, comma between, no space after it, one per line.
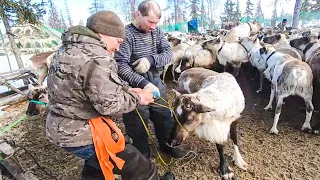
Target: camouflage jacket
(281,26)
(83,84)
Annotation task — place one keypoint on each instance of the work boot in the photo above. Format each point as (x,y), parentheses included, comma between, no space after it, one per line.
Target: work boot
(168,176)
(173,152)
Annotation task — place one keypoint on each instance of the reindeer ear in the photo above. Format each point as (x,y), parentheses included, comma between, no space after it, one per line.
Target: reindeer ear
(263,50)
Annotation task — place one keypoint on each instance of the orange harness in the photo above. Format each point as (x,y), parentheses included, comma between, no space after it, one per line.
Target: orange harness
(105,146)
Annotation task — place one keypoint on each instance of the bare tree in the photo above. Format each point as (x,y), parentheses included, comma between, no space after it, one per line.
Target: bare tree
(248,12)
(114,5)
(296,14)
(81,22)
(54,20)
(97,5)
(129,6)
(177,7)
(211,4)
(23,11)
(259,13)
(195,9)
(274,14)
(68,13)
(202,13)
(63,22)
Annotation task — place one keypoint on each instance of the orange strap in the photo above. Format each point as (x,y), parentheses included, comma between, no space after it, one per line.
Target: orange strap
(105,146)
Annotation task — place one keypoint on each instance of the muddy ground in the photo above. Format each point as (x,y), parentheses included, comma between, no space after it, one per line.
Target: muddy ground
(292,154)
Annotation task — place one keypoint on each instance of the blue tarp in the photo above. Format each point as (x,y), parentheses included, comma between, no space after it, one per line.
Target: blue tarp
(193,25)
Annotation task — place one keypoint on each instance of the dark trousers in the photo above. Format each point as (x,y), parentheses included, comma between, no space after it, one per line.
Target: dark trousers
(136,166)
(160,116)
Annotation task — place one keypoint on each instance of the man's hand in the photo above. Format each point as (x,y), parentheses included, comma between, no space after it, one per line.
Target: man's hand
(146,96)
(155,91)
(142,65)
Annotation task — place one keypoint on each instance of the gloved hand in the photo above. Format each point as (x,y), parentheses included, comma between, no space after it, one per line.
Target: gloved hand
(142,65)
(154,89)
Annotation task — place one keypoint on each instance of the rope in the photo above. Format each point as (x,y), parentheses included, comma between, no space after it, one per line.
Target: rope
(153,143)
(171,109)
(39,102)
(12,125)
(32,157)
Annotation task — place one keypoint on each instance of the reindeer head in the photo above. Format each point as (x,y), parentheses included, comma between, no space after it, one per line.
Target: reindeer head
(187,107)
(38,94)
(248,42)
(174,41)
(214,44)
(274,39)
(256,27)
(300,43)
(254,45)
(183,65)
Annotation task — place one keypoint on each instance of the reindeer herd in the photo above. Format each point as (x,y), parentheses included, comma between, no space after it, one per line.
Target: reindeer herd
(208,99)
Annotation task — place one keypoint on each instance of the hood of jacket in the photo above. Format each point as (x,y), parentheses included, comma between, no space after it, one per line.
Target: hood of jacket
(81,34)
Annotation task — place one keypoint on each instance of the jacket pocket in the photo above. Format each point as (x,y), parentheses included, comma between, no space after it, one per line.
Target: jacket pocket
(116,78)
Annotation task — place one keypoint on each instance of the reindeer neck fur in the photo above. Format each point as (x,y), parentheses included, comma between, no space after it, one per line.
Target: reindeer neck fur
(222,93)
(282,43)
(315,49)
(275,65)
(276,58)
(247,27)
(232,51)
(202,58)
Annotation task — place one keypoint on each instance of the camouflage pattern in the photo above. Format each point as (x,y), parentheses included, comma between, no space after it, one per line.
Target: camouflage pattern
(281,26)
(83,84)
(31,39)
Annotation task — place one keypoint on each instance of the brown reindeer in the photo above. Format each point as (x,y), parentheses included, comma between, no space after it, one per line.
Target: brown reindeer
(39,95)
(39,63)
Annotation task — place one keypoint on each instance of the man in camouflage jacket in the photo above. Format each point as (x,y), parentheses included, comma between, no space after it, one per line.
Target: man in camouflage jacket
(83,84)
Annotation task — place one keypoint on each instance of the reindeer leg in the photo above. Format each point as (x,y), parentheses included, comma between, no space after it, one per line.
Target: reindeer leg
(261,78)
(269,106)
(274,129)
(237,158)
(43,72)
(309,109)
(173,73)
(225,172)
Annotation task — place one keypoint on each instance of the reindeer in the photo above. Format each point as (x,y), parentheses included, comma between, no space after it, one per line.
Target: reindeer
(39,64)
(288,76)
(242,30)
(39,94)
(228,53)
(211,108)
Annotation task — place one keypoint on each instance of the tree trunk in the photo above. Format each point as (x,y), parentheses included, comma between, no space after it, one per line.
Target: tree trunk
(133,9)
(175,11)
(5,49)
(296,14)
(13,44)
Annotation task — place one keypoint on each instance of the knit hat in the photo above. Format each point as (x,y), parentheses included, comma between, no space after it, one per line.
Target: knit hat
(107,23)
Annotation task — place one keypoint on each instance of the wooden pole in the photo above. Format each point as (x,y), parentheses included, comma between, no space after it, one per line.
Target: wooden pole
(5,50)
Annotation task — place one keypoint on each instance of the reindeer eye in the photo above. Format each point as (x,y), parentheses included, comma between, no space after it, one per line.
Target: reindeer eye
(188,107)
